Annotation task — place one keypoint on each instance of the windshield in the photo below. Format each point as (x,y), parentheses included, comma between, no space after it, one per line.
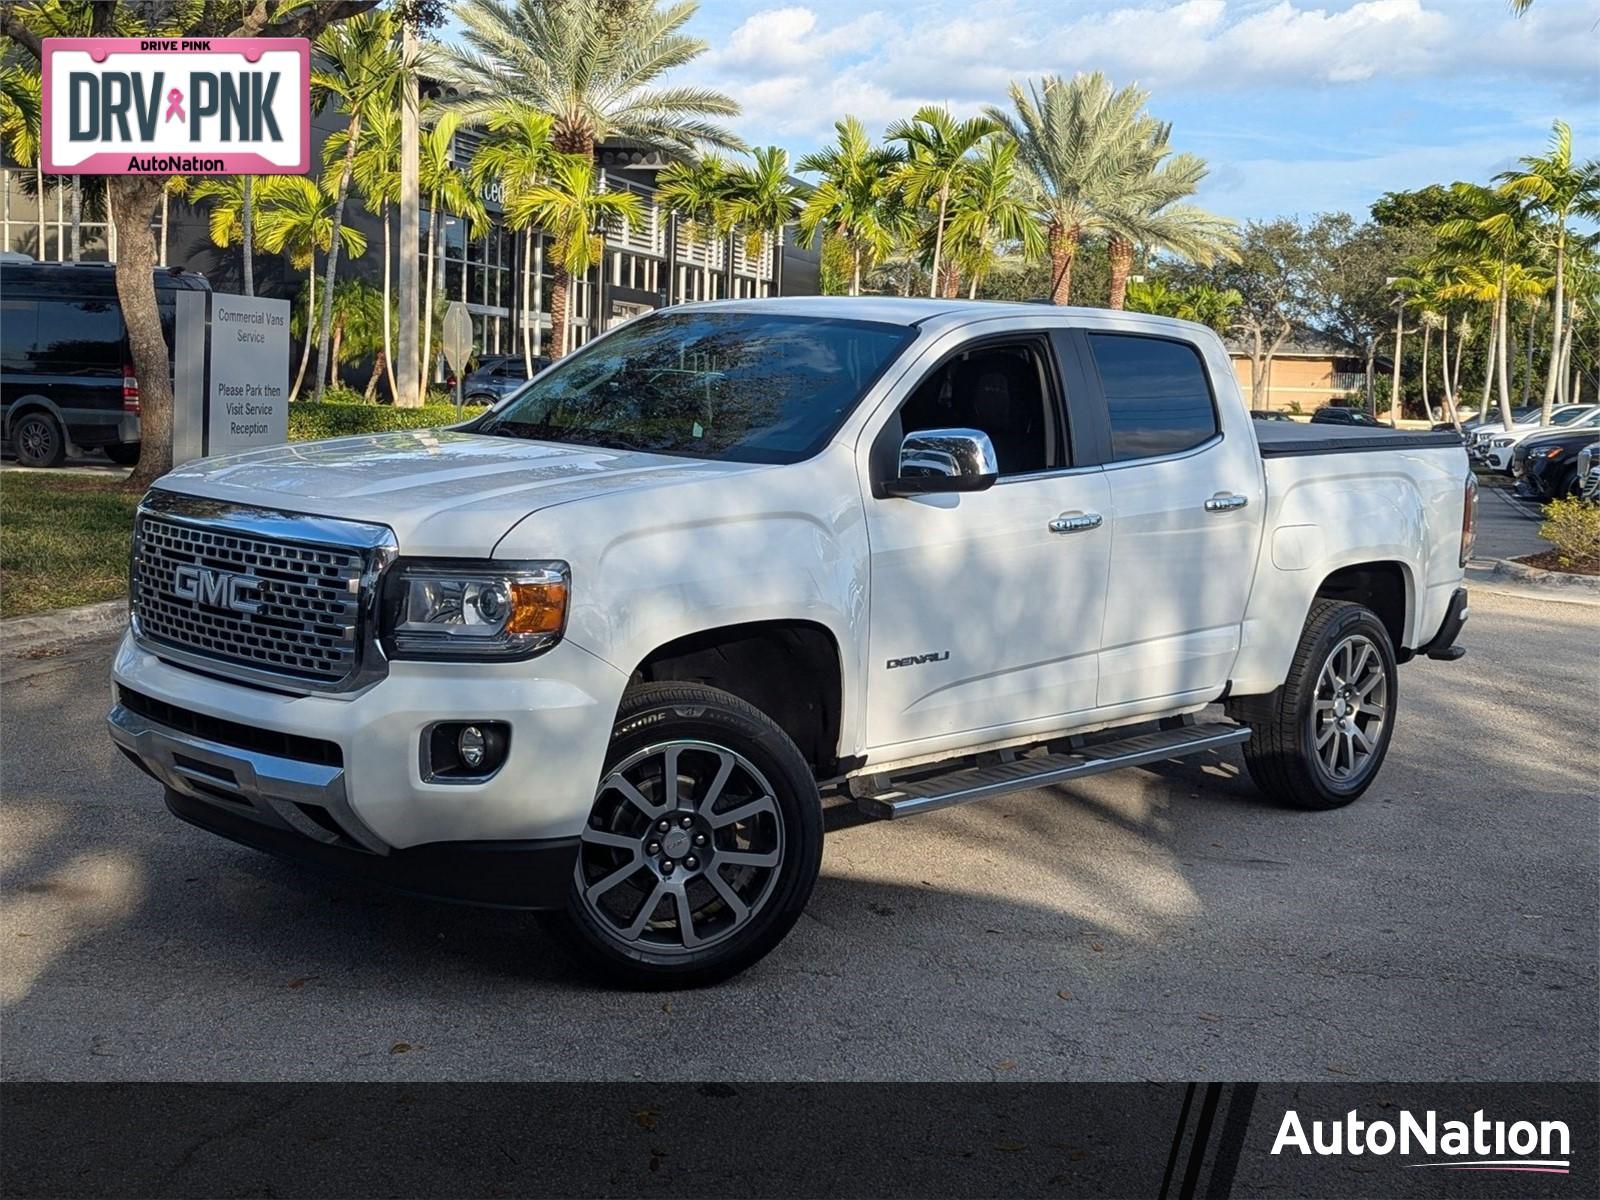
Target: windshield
(743,386)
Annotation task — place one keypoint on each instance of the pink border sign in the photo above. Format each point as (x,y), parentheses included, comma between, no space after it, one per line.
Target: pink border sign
(180,161)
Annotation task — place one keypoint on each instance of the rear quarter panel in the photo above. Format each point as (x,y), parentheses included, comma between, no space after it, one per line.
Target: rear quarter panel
(1328,511)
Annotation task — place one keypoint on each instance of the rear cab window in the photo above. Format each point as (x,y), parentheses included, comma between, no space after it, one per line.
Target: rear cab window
(1158,395)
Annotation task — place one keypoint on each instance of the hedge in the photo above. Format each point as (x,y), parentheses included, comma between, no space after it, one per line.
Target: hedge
(309,420)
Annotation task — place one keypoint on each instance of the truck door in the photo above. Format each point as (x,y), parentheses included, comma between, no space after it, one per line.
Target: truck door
(985,607)
(1186,498)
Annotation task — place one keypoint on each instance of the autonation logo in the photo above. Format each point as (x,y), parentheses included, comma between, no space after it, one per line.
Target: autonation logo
(1476,1145)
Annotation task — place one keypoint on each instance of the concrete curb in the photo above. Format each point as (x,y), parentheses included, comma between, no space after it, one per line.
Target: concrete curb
(22,635)
(1560,581)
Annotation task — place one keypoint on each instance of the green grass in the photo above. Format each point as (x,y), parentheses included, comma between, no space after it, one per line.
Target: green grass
(63,542)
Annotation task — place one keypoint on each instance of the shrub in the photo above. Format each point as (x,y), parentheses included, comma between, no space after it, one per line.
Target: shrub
(340,393)
(309,421)
(1572,526)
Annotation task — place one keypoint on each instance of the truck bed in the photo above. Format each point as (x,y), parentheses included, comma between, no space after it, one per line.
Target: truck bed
(1286,439)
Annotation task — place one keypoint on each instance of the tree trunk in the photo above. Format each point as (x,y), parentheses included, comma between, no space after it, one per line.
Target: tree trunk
(388,339)
(1427,337)
(333,358)
(38,194)
(333,247)
(855,275)
(380,367)
(559,288)
(1488,362)
(1063,249)
(1558,318)
(1395,407)
(1527,372)
(1120,251)
(1367,379)
(311,320)
(77,218)
(135,199)
(527,300)
(406,374)
(166,198)
(1502,359)
(247,220)
(938,241)
(427,295)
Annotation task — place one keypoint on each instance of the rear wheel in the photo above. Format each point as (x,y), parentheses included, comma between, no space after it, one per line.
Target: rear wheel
(39,440)
(703,844)
(1318,741)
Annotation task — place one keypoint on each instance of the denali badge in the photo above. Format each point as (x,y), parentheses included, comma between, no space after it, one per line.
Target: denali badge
(916,660)
(218,589)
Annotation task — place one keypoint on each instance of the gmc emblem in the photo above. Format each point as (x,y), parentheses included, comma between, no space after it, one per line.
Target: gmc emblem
(218,589)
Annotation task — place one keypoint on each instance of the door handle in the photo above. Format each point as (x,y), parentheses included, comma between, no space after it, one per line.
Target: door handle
(1226,502)
(1075,522)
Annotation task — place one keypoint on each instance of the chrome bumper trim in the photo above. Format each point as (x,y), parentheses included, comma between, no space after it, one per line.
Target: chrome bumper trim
(263,786)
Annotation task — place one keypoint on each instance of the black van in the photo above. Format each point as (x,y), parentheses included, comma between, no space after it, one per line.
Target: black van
(66,375)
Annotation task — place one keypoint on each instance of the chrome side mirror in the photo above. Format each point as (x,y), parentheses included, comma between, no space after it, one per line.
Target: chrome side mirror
(945,460)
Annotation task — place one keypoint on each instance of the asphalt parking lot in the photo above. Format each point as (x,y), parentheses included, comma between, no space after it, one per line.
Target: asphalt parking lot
(1152,924)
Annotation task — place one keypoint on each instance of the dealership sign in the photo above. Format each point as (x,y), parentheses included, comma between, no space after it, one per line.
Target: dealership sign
(185,106)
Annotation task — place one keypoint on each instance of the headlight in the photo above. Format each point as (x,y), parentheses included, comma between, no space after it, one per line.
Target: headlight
(459,609)
(1503,441)
(1546,452)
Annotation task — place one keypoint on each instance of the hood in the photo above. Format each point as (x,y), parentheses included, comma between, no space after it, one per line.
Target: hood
(442,492)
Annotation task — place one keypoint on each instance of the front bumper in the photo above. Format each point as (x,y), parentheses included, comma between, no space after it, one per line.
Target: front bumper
(345,771)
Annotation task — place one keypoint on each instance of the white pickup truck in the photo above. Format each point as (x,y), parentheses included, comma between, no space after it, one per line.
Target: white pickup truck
(602,650)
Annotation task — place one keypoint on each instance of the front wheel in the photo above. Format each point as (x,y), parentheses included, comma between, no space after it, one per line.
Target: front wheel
(703,844)
(1318,741)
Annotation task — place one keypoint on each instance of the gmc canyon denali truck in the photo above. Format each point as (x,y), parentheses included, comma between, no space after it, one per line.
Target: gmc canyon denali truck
(600,650)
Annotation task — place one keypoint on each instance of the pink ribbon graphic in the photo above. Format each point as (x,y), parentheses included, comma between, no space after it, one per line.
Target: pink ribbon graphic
(175,106)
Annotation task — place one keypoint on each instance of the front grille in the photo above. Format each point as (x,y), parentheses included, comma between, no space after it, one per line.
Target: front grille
(231,733)
(240,596)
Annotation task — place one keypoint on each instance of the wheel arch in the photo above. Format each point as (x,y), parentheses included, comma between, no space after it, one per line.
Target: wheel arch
(791,669)
(23,405)
(1385,586)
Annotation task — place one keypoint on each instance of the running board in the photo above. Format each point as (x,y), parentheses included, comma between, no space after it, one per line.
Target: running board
(966,784)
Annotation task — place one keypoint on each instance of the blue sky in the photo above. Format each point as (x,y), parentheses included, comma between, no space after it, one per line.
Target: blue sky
(1299,106)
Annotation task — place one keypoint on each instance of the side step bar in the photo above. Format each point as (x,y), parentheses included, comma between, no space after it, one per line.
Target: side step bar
(966,784)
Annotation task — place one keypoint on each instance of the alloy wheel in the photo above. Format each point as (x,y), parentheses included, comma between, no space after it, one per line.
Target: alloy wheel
(36,440)
(682,849)
(1349,708)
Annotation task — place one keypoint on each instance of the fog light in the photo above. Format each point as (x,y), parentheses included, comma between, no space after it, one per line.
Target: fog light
(470,745)
(464,751)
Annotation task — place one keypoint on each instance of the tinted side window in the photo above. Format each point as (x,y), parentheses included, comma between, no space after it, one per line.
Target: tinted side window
(79,337)
(1157,395)
(1002,390)
(19,321)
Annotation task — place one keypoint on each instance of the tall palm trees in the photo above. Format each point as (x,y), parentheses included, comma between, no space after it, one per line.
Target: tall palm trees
(936,148)
(988,208)
(1559,189)
(1077,140)
(764,199)
(575,213)
(699,192)
(20,108)
(593,66)
(359,66)
(297,218)
(853,201)
(517,153)
(231,220)
(450,194)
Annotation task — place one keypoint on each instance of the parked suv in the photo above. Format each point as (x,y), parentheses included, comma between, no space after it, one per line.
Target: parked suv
(497,376)
(66,373)
(1334,414)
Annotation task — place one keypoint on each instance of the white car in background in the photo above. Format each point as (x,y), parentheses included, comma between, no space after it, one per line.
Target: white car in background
(1493,447)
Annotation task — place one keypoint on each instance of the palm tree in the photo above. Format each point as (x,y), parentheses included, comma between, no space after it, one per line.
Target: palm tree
(377,174)
(574,213)
(699,193)
(765,198)
(854,199)
(1077,140)
(518,153)
(989,208)
(1144,208)
(360,68)
(450,194)
(297,218)
(592,65)
(1559,189)
(936,148)
(19,129)
(231,217)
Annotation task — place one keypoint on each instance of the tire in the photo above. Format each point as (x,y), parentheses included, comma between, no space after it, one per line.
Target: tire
(480,399)
(1287,725)
(39,439)
(124,454)
(735,759)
